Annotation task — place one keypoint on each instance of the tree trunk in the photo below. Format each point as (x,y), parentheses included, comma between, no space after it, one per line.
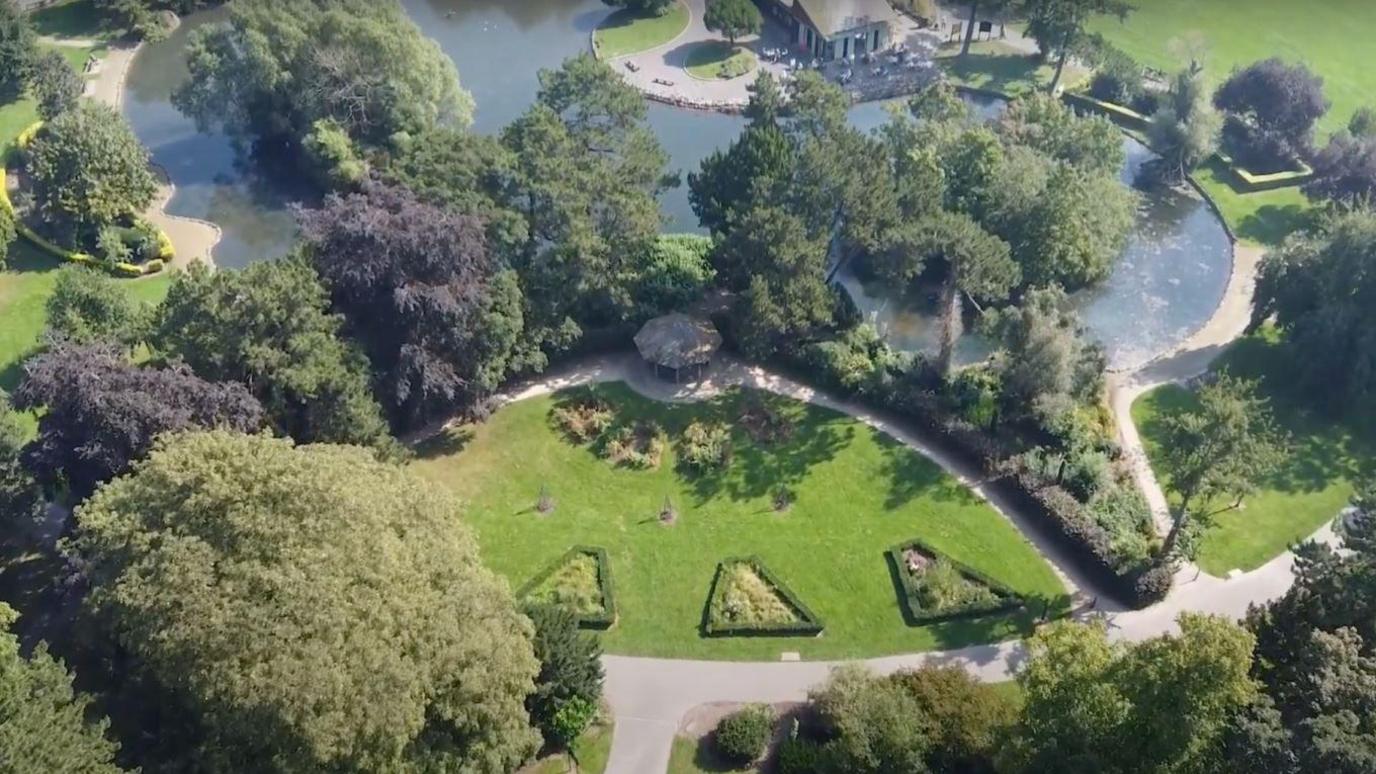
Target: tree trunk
(1168,547)
(1060,62)
(970,28)
(950,325)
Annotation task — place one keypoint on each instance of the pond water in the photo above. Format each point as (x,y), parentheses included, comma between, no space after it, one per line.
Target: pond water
(1169,281)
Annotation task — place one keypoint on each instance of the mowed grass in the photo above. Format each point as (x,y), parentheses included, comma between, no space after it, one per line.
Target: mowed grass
(629,32)
(994,65)
(1311,488)
(1331,37)
(856,493)
(718,60)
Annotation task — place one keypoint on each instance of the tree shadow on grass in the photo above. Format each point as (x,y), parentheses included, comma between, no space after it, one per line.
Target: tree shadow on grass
(1271,223)
(1005,72)
(758,467)
(912,475)
(445,443)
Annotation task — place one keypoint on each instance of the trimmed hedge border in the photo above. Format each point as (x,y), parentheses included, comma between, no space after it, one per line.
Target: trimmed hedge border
(1009,600)
(1247,182)
(607,617)
(1123,116)
(809,626)
(165,249)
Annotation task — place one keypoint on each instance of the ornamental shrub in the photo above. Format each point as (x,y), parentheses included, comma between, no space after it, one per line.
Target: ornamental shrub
(1118,79)
(798,756)
(742,736)
(7,234)
(639,446)
(584,419)
(705,447)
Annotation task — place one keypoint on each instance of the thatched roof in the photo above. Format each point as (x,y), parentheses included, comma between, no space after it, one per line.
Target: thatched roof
(833,17)
(678,341)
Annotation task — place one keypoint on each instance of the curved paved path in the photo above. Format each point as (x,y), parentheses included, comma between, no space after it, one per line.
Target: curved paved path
(649,697)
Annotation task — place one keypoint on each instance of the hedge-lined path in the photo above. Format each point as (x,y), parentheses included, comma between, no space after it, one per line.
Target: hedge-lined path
(192,239)
(649,697)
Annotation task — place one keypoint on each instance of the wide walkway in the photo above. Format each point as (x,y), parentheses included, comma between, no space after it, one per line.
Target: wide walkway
(649,697)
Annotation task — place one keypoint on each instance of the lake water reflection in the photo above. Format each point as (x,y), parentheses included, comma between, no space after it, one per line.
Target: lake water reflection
(1169,281)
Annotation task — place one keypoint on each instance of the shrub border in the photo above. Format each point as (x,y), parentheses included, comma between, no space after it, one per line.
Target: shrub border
(123,269)
(1009,600)
(1119,114)
(1247,182)
(607,617)
(810,625)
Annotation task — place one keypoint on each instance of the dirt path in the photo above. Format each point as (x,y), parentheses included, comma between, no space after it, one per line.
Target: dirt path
(193,239)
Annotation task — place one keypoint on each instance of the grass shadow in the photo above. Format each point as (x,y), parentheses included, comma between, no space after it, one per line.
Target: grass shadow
(448,442)
(1270,224)
(74,19)
(912,475)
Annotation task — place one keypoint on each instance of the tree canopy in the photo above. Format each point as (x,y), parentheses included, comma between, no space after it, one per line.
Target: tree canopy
(269,327)
(440,322)
(55,85)
(1319,286)
(88,170)
(316,609)
(276,67)
(18,49)
(733,18)
(102,413)
(89,306)
(43,726)
(1271,109)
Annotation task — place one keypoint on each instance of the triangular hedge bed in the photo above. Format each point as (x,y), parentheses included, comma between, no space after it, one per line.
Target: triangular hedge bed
(715,623)
(601,614)
(1000,599)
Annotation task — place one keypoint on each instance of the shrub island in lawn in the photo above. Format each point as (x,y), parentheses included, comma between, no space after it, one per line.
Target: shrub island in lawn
(852,493)
(580,581)
(933,587)
(747,599)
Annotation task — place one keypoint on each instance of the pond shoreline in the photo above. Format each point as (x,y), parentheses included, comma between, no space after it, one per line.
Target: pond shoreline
(192,239)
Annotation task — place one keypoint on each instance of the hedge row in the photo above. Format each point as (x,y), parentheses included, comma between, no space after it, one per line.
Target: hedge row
(1123,116)
(1056,513)
(1008,599)
(808,625)
(1246,182)
(602,620)
(122,269)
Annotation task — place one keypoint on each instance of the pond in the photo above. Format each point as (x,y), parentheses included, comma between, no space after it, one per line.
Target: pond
(1168,283)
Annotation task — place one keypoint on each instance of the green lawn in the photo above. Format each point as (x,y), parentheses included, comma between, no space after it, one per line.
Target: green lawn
(1265,218)
(718,60)
(997,66)
(627,32)
(72,19)
(1331,37)
(1311,488)
(591,750)
(857,492)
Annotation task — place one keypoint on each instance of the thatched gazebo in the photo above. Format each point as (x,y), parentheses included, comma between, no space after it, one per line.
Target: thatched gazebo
(678,342)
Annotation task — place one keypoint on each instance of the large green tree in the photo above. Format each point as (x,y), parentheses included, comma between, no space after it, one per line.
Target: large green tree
(20,498)
(1058,26)
(1048,358)
(276,67)
(1320,289)
(1185,130)
(87,170)
(733,18)
(587,174)
(1162,705)
(269,327)
(1222,448)
(18,48)
(570,668)
(315,609)
(89,306)
(1316,661)
(761,160)
(43,725)
(55,85)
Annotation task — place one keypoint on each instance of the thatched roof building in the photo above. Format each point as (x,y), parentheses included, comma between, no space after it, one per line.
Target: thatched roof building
(677,341)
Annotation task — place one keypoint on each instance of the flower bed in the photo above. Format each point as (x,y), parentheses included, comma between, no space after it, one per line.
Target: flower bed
(934,587)
(581,581)
(746,599)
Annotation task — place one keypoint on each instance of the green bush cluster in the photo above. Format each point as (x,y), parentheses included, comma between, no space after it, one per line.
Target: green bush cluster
(705,446)
(639,446)
(743,736)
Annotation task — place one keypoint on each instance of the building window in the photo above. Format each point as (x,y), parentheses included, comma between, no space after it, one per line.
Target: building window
(845,47)
(875,47)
